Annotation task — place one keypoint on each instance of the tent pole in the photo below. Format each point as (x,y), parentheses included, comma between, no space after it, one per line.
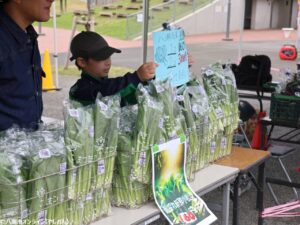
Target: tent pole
(298,27)
(145,28)
(55,45)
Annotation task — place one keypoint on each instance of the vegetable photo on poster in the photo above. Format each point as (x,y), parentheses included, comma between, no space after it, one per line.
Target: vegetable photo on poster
(172,193)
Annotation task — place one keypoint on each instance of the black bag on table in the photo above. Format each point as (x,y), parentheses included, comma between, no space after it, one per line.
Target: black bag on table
(253,70)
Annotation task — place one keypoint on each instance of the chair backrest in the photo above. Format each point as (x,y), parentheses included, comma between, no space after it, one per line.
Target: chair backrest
(246,110)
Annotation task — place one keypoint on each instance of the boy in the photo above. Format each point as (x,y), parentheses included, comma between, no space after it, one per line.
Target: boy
(92,54)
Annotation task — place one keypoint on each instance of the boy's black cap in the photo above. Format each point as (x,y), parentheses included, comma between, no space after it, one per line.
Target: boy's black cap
(88,44)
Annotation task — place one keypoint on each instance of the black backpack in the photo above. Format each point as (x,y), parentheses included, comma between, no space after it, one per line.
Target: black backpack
(253,70)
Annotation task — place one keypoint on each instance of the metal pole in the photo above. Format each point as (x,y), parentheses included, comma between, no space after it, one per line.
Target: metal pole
(298,26)
(174,18)
(61,6)
(88,25)
(127,31)
(72,35)
(271,13)
(145,28)
(242,21)
(228,22)
(194,6)
(40,29)
(55,46)
(65,10)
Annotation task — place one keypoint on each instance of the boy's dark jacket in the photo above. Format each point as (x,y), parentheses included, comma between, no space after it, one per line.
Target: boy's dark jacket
(85,90)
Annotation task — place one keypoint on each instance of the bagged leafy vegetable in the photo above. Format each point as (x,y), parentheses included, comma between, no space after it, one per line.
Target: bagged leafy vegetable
(12,190)
(79,140)
(47,185)
(221,89)
(75,211)
(193,143)
(107,118)
(145,135)
(163,92)
(102,206)
(203,117)
(126,191)
(130,194)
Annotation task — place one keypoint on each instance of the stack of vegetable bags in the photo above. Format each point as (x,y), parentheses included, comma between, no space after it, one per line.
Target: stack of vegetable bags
(107,119)
(138,133)
(172,123)
(68,176)
(33,181)
(91,137)
(231,89)
(47,192)
(13,174)
(196,111)
(219,84)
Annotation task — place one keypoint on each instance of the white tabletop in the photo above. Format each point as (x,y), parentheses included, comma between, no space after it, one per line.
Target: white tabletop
(48,120)
(205,180)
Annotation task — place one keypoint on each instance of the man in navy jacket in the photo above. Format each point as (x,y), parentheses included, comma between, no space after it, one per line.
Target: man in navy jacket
(20,64)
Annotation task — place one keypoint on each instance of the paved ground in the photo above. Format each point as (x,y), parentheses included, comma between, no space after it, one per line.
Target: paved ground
(206,49)
(64,36)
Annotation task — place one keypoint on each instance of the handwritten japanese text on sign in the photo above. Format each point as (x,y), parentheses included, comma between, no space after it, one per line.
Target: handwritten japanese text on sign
(170,54)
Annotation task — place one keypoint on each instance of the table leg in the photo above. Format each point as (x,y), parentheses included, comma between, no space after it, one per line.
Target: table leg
(236,200)
(260,192)
(225,206)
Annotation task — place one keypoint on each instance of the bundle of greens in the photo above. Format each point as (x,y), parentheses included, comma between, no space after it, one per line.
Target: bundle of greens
(234,118)
(88,214)
(146,134)
(102,206)
(74,211)
(79,141)
(56,214)
(203,118)
(193,143)
(163,92)
(47,183)
(12,187)
(107,117)
(125,191)
(233,96)
(130,194)
(221,89)
(125,146)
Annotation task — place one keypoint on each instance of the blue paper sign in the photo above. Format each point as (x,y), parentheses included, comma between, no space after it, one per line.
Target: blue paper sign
(171,55)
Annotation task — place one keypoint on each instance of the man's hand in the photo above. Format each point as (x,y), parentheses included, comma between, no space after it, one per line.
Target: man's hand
(146,71)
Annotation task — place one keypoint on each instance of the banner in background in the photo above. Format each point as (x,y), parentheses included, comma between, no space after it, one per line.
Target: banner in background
(172,193)
(171,55)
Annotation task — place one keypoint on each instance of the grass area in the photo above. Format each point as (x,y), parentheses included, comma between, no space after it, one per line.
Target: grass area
(123,28)
(73,71)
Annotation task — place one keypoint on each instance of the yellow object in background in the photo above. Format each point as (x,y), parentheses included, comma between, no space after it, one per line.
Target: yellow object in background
(47,82)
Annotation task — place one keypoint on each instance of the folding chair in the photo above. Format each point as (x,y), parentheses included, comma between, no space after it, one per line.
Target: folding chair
(284,210)
(280,152)
(246,112)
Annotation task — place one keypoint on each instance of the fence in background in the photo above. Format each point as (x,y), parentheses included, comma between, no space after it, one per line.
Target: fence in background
(166,12)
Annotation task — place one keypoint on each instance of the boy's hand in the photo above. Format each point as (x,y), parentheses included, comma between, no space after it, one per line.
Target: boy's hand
(146,71)
(190,60)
